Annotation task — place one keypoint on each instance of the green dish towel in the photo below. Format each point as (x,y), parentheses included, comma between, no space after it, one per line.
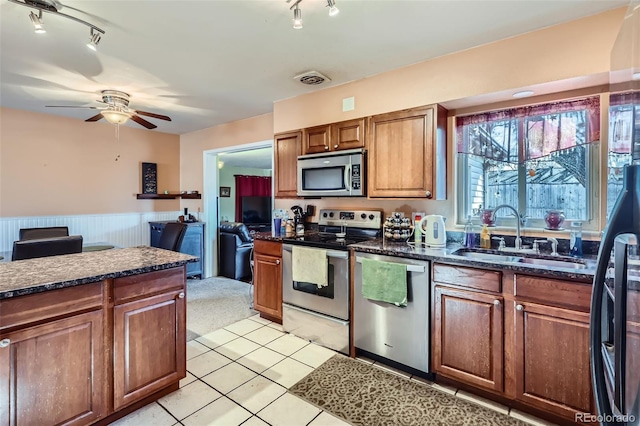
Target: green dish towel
(384,281)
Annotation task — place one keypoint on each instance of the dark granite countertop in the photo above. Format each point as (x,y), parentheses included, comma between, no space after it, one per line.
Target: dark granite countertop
(445,256)
(268,236)
(48,273)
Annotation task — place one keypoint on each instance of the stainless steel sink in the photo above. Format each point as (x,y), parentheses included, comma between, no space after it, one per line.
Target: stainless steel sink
(524,258)
(492,257)
(555,263)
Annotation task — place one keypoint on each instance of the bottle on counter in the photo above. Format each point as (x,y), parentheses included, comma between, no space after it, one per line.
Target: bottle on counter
(485,237)
(469,234)
(289,228)
(575,242)
(417,231)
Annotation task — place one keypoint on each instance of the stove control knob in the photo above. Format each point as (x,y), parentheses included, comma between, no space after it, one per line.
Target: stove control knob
(331,214)
(371,217)
(324,214)
(363,215)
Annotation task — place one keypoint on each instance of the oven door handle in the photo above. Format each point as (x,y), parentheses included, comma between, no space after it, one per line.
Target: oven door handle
(410,268)
(330,253)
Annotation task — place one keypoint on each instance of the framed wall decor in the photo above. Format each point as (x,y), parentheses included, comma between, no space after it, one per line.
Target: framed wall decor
(225,191)
(149,178)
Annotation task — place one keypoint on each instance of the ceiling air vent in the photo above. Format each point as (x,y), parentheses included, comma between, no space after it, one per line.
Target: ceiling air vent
(312,78)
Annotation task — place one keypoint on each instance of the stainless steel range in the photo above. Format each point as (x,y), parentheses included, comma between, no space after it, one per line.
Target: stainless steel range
(319,310)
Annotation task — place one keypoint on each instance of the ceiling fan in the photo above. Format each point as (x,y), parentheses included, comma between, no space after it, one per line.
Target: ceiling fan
(117,110)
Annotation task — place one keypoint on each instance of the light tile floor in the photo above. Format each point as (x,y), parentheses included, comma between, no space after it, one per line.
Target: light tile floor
(239,375)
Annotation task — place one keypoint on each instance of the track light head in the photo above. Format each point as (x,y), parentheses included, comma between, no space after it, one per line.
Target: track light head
(333,10)
(94,40)
(297,18)
(36,20)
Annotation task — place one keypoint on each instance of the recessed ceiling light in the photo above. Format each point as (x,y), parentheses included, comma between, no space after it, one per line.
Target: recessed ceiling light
(523,94)
(636,76)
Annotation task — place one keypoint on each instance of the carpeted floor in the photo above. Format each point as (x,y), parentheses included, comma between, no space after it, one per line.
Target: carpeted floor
(365,395)
(214,303)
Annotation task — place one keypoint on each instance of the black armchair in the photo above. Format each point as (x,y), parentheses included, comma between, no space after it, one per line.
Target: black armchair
(172,236)
(235,251)
(38,233)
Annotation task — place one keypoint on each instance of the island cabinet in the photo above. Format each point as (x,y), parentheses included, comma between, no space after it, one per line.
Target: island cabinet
(86,354)
(468,326)
(52,358)
(267,279)
(286,149)
(149,334)
(407,154)
(335,137)
(521,337)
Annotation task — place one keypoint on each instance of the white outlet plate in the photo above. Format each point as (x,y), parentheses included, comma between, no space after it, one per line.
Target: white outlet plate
(348,104)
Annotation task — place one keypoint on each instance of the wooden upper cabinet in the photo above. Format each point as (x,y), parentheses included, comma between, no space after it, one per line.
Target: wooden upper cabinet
(335,137)
(317,139)
(407,154)
(287,147)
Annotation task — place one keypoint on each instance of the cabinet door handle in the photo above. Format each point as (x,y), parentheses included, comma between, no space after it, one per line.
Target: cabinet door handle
(496,302)
(335,146)
(519,308)
(4,343)
(277,261)
(181,295)
(428,193)
(326,148)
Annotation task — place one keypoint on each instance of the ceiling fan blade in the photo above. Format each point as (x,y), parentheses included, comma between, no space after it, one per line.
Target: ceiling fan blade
(150,114)
(70,106)
(94,118)
(143,122)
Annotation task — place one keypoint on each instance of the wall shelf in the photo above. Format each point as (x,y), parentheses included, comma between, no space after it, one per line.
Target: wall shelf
(168,196)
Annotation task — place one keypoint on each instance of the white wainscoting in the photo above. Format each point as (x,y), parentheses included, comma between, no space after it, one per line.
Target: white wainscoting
(120,229)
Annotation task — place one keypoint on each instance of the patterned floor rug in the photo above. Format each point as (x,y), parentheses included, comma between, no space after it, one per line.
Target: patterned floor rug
(365,395)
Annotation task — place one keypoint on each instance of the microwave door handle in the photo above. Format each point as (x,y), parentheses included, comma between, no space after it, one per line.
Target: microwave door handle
(347,177)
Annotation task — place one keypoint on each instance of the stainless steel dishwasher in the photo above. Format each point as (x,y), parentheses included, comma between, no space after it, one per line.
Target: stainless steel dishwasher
(399,334)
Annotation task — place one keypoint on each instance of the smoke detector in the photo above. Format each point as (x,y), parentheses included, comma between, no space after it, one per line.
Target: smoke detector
(312,78)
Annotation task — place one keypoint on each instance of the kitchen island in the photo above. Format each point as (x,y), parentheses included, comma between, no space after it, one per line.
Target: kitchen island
(86,338)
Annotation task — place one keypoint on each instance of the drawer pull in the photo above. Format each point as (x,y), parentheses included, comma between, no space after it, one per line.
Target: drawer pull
(428,194)
(277,261)
(4,343)
(496,302)
(335,146)
(181,295)
(519,308)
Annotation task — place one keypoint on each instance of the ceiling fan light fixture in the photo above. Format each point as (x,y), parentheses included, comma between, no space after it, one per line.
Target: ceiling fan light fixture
(333,9)
(114,116)
(36,20)
(297,18)
(94,40)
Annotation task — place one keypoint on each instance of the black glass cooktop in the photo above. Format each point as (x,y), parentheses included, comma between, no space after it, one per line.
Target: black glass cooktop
(326,240)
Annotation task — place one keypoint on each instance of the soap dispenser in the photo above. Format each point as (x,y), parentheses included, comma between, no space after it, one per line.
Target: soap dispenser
(469,234)
(485,238)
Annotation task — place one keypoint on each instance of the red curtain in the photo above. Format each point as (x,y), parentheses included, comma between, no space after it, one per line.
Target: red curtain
(250,186)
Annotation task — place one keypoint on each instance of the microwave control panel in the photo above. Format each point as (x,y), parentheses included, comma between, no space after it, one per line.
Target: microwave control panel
(355,176)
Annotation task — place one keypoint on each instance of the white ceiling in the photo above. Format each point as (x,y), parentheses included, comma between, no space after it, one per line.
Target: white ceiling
(260,158)
(209,62)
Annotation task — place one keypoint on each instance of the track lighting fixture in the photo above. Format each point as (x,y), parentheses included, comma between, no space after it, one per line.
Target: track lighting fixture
(333,10)
(36,20)
(297,17)
(94,40)
(52,7)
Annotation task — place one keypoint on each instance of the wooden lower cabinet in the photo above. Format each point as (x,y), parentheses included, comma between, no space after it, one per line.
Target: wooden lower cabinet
(267,278)
(149,346)
(468,340)
(552,359)
(54,373)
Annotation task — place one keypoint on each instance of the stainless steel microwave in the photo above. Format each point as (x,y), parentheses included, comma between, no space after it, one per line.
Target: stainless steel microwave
(333,174)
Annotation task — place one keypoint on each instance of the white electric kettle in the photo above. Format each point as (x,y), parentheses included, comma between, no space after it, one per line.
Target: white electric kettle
(432,227)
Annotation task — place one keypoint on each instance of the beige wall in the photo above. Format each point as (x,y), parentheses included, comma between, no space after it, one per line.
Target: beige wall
(53,165)
(192,146)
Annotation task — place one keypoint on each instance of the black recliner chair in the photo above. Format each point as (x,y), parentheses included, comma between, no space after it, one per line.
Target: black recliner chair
(235,251)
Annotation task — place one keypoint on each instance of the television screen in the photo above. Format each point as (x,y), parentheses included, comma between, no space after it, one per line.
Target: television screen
(256,210)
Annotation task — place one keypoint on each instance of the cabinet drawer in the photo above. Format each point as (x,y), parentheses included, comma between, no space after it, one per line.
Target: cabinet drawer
(270,248)
(468,277)
(135,286)
(554,292)
(35,308)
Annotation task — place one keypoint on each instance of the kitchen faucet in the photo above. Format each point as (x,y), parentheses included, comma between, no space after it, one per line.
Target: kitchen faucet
(518,243)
